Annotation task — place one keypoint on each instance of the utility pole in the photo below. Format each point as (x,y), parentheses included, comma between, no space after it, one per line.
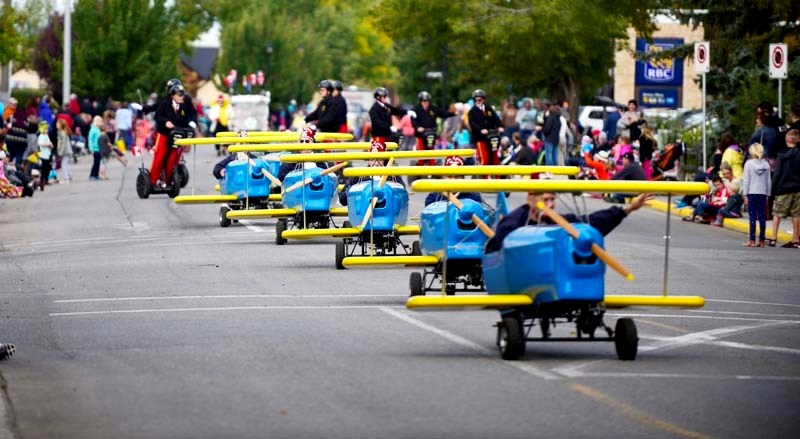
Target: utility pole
(67,79)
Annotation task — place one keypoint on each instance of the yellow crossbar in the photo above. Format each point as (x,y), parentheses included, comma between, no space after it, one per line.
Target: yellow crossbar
(363,261)
(346,156)
(627,186)
(204,199)
(338,211)
(496,301)
(457,170)
(617,301)
(280,147)
(319,233)
(288,135)
(407,230)
(259,213)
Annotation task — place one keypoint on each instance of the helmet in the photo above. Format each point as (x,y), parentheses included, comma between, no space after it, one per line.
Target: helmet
(380,92)
(453,160)
(376,146)
(326,83)
(478,94)
(307,136)
(424,96)
(171,83)
(177,89)
(337,85)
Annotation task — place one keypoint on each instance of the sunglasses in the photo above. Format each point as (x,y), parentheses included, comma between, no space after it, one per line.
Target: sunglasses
(306,141)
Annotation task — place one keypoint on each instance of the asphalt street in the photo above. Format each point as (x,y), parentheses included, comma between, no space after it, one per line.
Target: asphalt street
(144,319)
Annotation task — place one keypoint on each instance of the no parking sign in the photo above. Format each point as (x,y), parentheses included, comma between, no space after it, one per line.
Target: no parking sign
(777,61)
(701,56)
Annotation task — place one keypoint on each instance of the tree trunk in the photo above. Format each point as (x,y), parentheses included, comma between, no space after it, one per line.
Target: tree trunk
(571,90)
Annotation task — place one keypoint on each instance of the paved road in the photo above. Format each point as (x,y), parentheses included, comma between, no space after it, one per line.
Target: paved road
(139,318)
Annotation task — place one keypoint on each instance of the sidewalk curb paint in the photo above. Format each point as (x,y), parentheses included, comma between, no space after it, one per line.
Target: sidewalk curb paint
(735,224)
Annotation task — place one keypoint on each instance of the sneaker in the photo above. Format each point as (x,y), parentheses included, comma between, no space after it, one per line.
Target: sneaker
(717,224)
(6,350)
(736,214)
(680,205)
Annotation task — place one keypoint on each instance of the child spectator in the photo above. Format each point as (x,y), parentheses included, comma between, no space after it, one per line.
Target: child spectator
(78,143)
(64,149)
(622,147)
(143,130)
(45,153)
(756,186)
(7,188)
(710,207)
(786,189)
(647,144)
(105,150)
(733,207)
(94,147)
(732,154)
(599,163)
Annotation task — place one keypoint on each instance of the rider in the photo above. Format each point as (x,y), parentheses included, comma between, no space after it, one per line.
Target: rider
(529,214)
(147,109)
(381,116)
(483,118)
(433,197)
(375,146)
(177,111)
(325,114)
(426,121)
(307,136)
(340,106)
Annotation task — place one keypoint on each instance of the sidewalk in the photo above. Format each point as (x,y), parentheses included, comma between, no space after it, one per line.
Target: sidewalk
(741,225)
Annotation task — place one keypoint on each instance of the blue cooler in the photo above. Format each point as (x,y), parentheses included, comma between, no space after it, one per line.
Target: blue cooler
(390,210)
(463,240)
(239,182)
(547,264)
(318,193)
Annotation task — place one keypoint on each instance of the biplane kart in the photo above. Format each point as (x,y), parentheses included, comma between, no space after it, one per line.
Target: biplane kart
(254,183)
(311,203)
(368,237)
(451,235)
(549,274)
(180,175)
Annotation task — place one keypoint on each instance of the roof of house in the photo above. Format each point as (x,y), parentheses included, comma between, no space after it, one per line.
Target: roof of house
(201,60)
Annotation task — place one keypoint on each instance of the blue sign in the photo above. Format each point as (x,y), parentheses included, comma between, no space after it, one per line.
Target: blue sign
(659,71)
(658,98)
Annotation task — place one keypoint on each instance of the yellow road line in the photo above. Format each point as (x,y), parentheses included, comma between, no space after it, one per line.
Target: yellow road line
(635,414)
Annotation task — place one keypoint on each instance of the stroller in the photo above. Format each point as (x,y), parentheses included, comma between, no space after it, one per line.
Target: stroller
(666,163)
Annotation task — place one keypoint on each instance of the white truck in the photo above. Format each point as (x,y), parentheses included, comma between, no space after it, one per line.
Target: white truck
(250,112)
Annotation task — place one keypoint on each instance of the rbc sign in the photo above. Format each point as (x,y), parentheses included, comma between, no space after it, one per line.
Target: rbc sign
(658,71)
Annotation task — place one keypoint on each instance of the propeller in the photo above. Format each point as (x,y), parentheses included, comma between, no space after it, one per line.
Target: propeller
(266,173)
(475,219)
(596,249)
(372,204)
(308,180)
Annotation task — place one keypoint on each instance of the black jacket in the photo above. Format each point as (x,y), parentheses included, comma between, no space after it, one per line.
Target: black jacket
(438,196)
(633,171)
(478,120)
(339,108)
(604,221)
(786,179)
(355,180)
(552,127)
(325,116)
(186,113)
(381,118)
(427,119)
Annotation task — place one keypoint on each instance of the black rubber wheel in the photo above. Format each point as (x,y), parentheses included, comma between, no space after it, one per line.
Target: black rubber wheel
(510,339)
(416,250)
(280,227)
(183,172)
(415,285)
(143,184)
(340,254)
(626,339)
(223,216)
(175,189)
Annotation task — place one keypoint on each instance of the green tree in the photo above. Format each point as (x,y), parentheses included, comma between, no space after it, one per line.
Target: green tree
(120,46)
(739,33)
(12,39)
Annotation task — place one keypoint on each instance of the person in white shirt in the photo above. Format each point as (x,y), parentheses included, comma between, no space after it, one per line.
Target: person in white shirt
(124,122)
(45,153)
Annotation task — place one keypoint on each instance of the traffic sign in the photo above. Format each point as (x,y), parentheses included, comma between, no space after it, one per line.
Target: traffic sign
(777,61)
(701,57)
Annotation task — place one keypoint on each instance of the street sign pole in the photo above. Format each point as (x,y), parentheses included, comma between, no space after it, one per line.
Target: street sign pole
(778,69)
(780,97)
(705,153)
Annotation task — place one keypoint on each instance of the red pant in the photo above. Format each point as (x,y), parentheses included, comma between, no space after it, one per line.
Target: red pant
(164,153)
(421,147)
(486,156)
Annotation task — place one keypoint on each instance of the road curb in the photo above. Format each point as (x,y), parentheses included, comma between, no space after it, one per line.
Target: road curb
(735,224)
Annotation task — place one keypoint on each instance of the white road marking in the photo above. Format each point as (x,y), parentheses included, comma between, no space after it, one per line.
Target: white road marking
(627,375)
(525,367)
(222,308)
(690,316)
(701,337)
(733,344)
(752,303)
(233,296)
(251,226)
(743,313)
